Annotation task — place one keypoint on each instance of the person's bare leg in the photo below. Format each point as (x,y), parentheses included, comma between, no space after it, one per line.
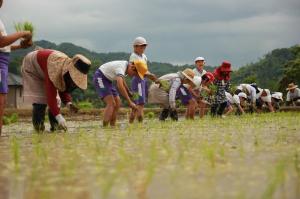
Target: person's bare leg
(132,116)
(229,110)
(191,109)
(116,110)
(109,109)
(140,113)
(2,106)
(271,109)
(202,109)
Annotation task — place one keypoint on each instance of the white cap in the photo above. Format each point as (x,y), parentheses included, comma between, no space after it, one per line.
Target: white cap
(277,95)
(199,59)
(139,41)
(241,94)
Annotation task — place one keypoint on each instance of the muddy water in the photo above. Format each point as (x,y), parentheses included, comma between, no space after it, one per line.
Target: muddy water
(248,157)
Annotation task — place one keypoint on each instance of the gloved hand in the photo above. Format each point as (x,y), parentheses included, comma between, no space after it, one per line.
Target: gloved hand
(61,122)
(72,107)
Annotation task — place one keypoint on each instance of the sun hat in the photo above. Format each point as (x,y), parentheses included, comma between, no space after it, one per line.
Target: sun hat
(139,41)
(141,67)
(277,95)
(199,59)
(58,64)
(189,74)
(210,76)
(225,67)
(291,86)
(243,95)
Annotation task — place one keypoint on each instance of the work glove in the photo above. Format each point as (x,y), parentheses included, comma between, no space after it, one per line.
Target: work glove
(61,122)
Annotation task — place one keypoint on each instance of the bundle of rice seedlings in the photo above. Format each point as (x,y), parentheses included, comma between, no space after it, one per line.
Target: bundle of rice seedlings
(25,26)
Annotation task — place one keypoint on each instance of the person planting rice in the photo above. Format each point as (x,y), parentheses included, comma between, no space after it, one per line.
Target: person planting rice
(277,100)
(47,72)
(206,80)
(251,92)
(171,87)
(235,100)
(116,71)
(262,98)
(6,47)
(222,81)
(138,85)
(293,95)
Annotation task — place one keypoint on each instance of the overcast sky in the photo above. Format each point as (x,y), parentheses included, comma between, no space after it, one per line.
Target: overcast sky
(240,31)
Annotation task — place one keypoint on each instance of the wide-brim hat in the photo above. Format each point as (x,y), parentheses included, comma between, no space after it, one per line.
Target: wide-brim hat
(225,66)
(291,86)
(277,95)
(189,74)
(58,64)
(79,70)
(141,68)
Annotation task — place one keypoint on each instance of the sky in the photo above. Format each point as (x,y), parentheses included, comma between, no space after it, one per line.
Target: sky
(177,31)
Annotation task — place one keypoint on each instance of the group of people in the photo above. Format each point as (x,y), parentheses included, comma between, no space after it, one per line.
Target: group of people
(49,77)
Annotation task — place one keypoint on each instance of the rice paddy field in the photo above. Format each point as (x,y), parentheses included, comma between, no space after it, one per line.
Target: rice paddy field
(253,156)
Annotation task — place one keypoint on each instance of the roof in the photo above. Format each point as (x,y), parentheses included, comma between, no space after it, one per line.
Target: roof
(14,80)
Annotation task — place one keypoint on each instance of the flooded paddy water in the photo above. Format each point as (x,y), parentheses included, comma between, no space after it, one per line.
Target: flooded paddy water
(253,156)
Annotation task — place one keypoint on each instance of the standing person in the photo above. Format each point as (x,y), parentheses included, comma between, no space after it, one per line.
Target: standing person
(200,63)
(293,95)
(138,85)
(170,88)
(47,72)
(116,71)
(222,81)
(6,47)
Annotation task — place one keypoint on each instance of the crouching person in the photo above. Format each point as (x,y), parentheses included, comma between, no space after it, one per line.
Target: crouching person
(235,100)
(277,100)
(116,71)
(171,87)
(48,72)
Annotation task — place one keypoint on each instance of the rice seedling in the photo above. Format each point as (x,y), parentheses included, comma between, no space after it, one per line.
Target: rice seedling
(25,26)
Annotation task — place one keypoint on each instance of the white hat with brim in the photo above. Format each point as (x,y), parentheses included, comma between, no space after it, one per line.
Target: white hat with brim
(277,95)
(140,41)
(199,59)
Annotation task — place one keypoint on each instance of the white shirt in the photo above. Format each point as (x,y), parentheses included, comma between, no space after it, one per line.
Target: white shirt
(6,49)
(249,90)
(290,96)
(198,73)
(175,82)
(113,69)
(232,99)
(135,56)
(267,98)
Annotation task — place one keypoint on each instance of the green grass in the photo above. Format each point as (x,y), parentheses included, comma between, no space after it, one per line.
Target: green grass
(253,156)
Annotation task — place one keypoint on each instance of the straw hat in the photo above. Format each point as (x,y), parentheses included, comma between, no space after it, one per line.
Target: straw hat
(291,86)
(141,67)
(189,74)
(58,64)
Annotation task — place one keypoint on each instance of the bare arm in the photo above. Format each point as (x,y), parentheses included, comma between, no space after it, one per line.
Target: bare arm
(122,89)
(10,39)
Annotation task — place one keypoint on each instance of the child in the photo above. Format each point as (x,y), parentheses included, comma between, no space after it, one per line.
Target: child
(235,100)
(199,62)
(222,81)
(170,88)
(116,71)
(6,47)
(139,85)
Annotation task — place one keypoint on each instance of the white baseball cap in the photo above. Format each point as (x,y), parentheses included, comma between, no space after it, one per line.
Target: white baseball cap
(277,95)
(199,59)
(139,41)
(243,95)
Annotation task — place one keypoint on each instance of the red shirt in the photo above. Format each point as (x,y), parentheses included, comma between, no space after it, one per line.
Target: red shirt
(51,91)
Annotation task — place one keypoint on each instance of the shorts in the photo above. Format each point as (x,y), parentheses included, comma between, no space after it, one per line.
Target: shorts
(139,89)
(4,61)
(103,85)
(184,95)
